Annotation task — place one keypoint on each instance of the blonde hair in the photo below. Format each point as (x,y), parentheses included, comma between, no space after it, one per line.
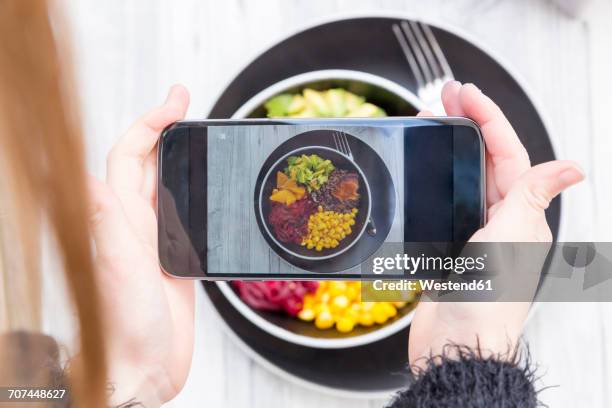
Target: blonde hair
(43,182)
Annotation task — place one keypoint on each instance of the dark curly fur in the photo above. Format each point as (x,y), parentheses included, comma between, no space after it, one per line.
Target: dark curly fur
(462,377)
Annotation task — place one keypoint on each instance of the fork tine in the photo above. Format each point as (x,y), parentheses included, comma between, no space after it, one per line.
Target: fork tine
(426,47)
(446,69)
(346,143)
(335,141)
(409,55)
(340,144)
(341,141)
(410,35)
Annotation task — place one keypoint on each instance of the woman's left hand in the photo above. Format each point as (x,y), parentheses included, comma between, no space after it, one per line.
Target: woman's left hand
(517,197)
(149,317)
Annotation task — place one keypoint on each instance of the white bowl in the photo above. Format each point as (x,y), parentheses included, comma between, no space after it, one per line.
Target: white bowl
(301,80)
(384,331)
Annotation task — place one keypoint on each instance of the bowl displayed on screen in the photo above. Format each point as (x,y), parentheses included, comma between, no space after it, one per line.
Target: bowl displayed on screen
(340,161)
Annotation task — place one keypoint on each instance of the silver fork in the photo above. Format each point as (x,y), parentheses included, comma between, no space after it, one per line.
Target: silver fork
(342,145)
(427,61)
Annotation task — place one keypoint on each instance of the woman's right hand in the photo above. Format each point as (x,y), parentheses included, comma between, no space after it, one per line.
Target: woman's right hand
(517,195)
(149,316)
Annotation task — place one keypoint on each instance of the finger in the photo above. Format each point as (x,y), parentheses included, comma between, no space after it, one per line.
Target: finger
(520,217)
(450,99)
(493,193)
(142,136)
(500,137)
(506,152)
(540,184)
(124,166)
(425,113)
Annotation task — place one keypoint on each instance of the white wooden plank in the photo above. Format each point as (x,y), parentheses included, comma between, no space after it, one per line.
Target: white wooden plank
(600,105)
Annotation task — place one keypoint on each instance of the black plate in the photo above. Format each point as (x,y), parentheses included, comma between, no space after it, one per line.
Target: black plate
(368,44)
(382,211)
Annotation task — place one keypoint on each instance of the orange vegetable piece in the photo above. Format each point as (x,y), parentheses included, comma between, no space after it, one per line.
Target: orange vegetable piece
(281,179)
(298,191)
(290,198)
(287,190)
(289,184)
(283,196)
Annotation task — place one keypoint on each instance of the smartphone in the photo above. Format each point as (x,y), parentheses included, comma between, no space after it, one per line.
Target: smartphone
(312,198)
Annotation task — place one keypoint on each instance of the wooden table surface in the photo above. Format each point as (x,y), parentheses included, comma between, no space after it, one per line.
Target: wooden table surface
(128,52)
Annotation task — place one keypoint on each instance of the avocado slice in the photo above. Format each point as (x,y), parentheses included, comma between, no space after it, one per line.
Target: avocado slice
(307,112)
(278,106)
(352,101)
(367,110)
(316,100)
(297,105)
(336,102)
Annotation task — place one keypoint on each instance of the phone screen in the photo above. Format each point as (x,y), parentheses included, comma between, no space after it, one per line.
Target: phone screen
(311,199)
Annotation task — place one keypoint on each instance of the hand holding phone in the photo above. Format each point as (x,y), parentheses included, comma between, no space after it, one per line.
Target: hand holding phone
(517,195)
(149,317)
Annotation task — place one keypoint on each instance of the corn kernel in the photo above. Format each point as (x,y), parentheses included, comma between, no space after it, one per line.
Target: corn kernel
(345,325)
(353,314)
(340,302)
(351,292)
(379,314)
(336,288)
(389,309)
(367,306)
(324,320)
(366,319)
(306,314)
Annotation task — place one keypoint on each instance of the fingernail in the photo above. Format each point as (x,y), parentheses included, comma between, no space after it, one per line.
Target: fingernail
(172,91)
(169,95)
(571,175)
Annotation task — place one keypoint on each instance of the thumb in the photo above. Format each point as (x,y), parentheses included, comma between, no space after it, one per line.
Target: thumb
(108,224)
(521,216)
(535,189)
